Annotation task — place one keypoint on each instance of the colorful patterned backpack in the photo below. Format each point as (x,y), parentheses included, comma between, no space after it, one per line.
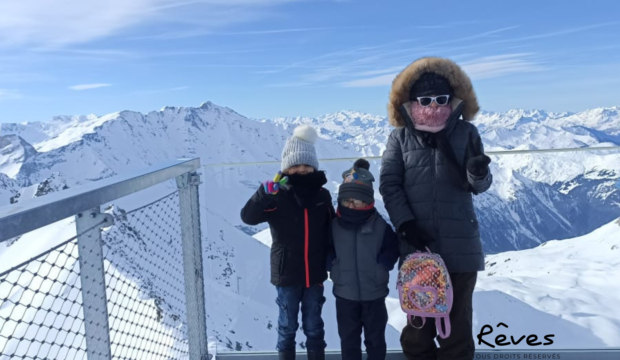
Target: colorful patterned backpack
(425,290)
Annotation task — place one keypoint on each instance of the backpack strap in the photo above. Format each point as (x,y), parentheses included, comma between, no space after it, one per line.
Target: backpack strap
(443,330)
(410,321)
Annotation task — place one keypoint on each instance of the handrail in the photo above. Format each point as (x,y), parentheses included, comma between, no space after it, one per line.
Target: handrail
(497,152)
(392,354)
(30,214)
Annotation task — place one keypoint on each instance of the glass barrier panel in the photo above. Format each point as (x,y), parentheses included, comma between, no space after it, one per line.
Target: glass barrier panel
(549,228)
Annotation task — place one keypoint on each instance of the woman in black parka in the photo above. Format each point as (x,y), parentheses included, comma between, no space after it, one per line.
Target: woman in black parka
(434,161)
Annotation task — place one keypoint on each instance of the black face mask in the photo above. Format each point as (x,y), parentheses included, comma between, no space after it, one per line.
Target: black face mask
(305,187)
(354,216)
(312,181)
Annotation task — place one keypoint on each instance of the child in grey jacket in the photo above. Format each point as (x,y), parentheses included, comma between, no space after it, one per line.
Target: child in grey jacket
(365,249)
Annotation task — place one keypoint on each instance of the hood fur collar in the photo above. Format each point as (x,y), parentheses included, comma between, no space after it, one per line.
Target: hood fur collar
(460,82)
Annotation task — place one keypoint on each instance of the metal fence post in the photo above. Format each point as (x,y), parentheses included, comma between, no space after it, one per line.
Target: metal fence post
(192,265)
(92,276)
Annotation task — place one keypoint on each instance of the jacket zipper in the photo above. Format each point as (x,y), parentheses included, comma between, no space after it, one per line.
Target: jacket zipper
(306,238)
(359,284)
(436,226)
(452,120)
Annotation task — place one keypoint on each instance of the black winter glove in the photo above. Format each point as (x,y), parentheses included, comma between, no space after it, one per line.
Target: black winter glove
(412,234)
(477,161)
(478,165)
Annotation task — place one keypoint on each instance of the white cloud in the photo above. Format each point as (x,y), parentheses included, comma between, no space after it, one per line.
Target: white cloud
(88,86)
(481,68)
(288,85)
(7,94)
(161,91)
(390,70)
(496,66)
(382,80)
(483,35)
(88,52)
(276,31)
(24,77)
(203,32)
(50,24)
(565,31)
(201,52)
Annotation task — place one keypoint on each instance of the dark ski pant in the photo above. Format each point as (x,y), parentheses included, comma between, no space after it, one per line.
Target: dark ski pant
(419,344)
(311,300)
(355,316)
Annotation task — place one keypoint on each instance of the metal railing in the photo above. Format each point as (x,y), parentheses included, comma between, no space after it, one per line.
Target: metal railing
(128,285)
(493,152)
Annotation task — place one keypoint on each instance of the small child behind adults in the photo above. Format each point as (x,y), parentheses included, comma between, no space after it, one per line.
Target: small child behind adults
(365,249)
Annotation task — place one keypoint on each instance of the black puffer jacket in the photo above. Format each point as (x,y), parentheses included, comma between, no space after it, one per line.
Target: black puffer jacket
(300,234)
(418,181)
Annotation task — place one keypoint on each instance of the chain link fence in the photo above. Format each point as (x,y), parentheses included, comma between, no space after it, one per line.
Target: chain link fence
(145,286)
(41,313)
(116,290)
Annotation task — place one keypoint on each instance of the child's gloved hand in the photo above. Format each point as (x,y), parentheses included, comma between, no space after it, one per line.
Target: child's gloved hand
(272,187)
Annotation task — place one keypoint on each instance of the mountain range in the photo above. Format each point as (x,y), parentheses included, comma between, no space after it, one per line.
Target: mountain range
(535,197)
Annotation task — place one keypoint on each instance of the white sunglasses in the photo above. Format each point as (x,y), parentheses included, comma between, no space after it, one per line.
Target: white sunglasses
(440,100)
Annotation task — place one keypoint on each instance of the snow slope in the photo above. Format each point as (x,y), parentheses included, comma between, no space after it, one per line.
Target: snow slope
(575,280)
(567,288)
(14,151)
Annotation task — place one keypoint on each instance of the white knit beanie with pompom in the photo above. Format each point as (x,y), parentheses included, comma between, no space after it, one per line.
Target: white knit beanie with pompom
(299,149)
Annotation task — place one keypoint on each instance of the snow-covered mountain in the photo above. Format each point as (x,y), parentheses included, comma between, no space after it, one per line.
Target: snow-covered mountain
(35,132)
(535,198)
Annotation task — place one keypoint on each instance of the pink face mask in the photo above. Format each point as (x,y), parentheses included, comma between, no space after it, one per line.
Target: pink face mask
(429,118)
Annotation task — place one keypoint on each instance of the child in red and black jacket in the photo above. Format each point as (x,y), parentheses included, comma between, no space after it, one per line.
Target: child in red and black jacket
(299,212)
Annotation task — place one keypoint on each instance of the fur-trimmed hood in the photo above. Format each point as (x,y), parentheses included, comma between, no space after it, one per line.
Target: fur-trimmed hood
(460,82)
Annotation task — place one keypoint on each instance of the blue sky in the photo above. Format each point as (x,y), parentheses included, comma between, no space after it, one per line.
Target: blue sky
(267,58)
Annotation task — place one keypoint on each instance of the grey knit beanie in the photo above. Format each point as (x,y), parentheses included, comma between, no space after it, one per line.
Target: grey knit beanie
(357,183)
(299,149)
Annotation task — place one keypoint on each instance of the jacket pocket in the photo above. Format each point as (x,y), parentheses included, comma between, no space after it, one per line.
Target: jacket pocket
(277,261)
(382,276)
(470,215)
(281,262)
(334,274)
(473,219)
